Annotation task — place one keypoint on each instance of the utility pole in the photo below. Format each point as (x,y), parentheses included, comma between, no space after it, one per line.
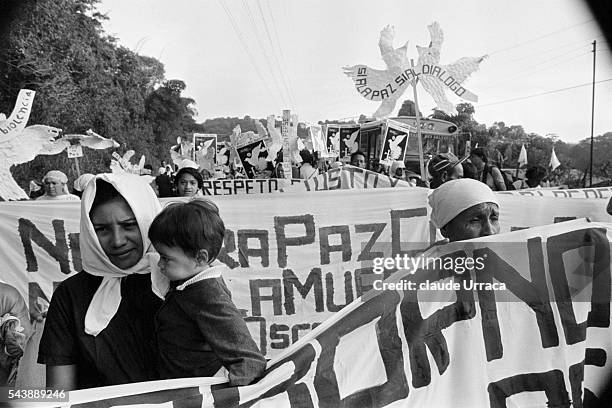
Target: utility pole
(592,115)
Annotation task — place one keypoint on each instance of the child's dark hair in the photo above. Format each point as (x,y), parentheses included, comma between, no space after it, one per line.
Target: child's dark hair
(105,192)
(191,226)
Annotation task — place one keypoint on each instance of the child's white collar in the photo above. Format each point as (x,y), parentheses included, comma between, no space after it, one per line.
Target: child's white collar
(208,273)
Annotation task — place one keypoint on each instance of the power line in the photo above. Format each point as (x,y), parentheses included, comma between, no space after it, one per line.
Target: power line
(540,37)
(245,47)
(278,44)
(543,93)
(549,50)
(276,59)
(263,49)
(531,71)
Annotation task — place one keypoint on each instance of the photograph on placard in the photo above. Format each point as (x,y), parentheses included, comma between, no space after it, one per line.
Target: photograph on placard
(349,140)
(394,145)
(253,157)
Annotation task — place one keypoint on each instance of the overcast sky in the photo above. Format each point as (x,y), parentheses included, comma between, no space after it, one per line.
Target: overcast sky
(258,57)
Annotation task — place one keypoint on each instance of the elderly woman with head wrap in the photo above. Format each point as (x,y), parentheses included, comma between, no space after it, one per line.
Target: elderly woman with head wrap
(55,187)
(464,209)
(100,324)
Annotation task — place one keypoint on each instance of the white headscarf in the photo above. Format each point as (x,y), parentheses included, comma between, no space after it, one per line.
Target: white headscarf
(455,196)
(145,206)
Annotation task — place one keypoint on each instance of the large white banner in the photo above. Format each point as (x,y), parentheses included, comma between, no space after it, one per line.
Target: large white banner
(293,265)
(527,325)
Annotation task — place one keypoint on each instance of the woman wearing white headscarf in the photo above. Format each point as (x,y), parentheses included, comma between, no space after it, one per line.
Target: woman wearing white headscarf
(55,187)
(464,209)
(100,324)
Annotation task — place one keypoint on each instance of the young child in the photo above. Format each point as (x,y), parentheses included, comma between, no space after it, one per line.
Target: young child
(198,327)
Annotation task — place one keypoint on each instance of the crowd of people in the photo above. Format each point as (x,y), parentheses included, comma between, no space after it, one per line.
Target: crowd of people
(187,181)
(151,284)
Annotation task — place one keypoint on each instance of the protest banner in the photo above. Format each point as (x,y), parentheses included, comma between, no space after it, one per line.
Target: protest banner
(443,337)
(593,192)
(292,265)
(219,187)
(346,177)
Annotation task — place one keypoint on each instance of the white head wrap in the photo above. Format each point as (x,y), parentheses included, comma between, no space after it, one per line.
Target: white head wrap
(56,175)
(81,182)
(455,196)
(145,206)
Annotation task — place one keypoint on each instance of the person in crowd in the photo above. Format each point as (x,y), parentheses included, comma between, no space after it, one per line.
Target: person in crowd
(147,169)
(469,170)
(80,183)
(55,187)
(464,209)
(358,159)
(397,169)
(278,171)
(100,323)
(15,330)
(535,175)
(490,175)
(163,183)
(444,167)
(307,170)
(188,182)
(199,329)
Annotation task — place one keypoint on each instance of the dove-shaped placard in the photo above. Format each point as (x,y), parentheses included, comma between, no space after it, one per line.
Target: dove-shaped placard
(386,86)
(32,141)
(436,79)
(13,125)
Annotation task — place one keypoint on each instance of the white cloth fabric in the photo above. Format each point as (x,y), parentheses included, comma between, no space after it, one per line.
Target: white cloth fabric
(63,197)
(81,182)
(145,206)
(455,196)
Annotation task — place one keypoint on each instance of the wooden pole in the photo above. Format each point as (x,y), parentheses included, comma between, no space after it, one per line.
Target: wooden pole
(592,116)
(418,126)
(78,169)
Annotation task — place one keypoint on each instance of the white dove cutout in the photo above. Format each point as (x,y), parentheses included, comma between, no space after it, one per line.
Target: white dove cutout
(387,86)
(352,143)
(276,144)
(436,84)
(396,61)
(394,149)
(222,157)
(335,141)
(24,147)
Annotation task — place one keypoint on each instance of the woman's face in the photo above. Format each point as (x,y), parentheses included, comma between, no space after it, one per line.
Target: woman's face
(54,187)
(118,232)
(187,185)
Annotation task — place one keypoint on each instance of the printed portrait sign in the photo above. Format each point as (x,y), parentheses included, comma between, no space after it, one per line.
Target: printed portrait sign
(205,150)
(394,144)
(332,141)
(349,140)
(253,158)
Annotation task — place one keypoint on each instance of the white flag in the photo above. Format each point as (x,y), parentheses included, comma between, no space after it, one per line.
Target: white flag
(522,160)
(554,162)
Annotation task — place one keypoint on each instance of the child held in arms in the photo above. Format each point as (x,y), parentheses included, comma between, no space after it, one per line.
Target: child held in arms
(199,329)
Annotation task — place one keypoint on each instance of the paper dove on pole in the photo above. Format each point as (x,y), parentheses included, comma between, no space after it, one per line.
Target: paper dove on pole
(554,161)
(522,160)
(22,148)
(387,86)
